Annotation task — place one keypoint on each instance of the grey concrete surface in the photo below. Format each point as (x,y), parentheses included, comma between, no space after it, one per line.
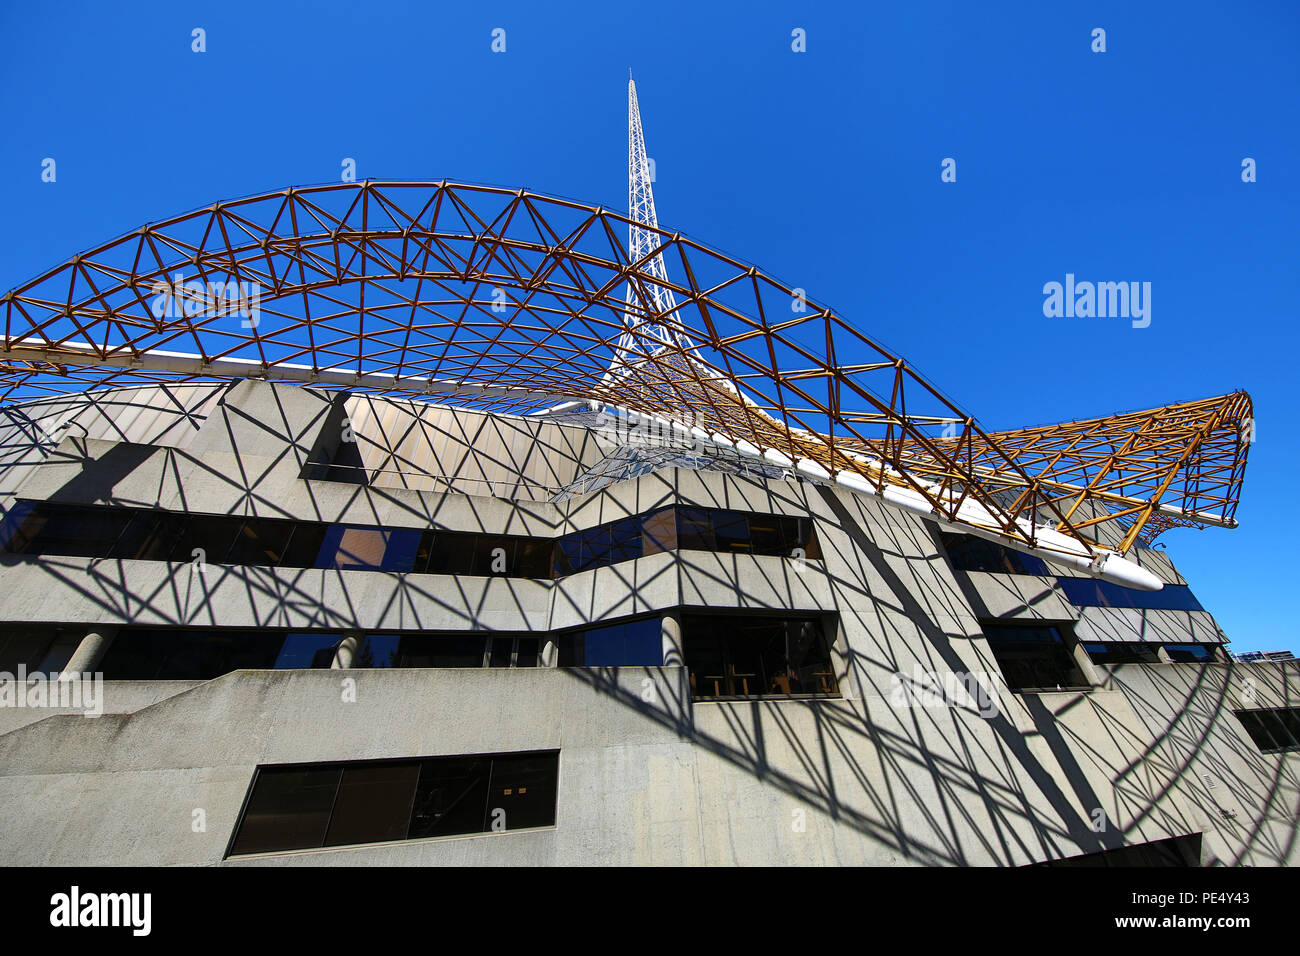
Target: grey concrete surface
(877,776)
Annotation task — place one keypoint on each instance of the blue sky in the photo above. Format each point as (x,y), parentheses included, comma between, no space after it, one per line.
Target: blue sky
(822,167)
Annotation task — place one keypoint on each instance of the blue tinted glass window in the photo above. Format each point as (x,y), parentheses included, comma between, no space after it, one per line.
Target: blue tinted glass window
(1089,592)
(1190,653)
(625,540)
(13,520)
(632,644)
(378,650)
(307,650)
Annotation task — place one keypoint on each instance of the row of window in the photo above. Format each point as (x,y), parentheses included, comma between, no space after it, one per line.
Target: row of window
(971,553)
(172,654)
(1274,729)
(728,655)
(1040,657)
(1135,652)
(51,528)
(309,806)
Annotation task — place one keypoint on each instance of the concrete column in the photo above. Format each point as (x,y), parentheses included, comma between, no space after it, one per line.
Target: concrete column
(346,653)
(670,629)
(89,653)
(1095,675)
(550,653)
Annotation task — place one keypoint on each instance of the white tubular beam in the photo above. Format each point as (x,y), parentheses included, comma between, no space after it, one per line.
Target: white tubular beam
(182,363)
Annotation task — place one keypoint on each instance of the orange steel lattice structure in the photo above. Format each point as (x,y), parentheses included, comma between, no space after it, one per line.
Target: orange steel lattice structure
(515,302)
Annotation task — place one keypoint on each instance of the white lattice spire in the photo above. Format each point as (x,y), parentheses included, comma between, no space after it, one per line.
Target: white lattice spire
(643,243)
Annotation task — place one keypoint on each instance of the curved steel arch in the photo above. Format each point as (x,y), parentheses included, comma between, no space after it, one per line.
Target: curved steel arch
(513,301)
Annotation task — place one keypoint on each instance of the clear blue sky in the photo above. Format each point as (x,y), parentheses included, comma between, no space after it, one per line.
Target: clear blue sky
(822,167)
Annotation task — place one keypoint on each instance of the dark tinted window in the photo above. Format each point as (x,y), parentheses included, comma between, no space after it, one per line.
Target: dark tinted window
(260,542)
(1191,653)
(1273,730)
(529,648)
(305,807)
(373,804)
(731,532)
(1034,657)
(659,532)
(695,530)
(13,540)
(378,650)
(188,655)
(140,539)
(500,652)
(288,809)
(435,650)
(304,545)
(971,553)
(133,533)
(1123,653)
(522,792)
(625,540)
(749,656)
(66,530)
(451,797)
(204,538)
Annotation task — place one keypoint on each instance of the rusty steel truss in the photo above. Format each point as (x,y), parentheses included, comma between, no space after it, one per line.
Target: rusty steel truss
(516,302)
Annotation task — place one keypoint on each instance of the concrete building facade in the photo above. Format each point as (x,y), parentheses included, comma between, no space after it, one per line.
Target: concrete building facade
(923,698)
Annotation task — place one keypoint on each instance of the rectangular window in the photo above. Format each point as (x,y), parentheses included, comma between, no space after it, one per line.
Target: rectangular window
(158,654)
(528,650)
(659,532)
(68,530)
(1191,653)
(204,654)
(373,804)
(352,804)
(625,540)
(288,809)
(1123,653)
(967,552)
(350,548)
(47,528)
(731,532)
(1089,592)
(626,644)
(500,652)
(695,530)
(1274,730)
(433,650)
(260,542)
(141,541)
(1035,657)
(302,651)
(205,538)
(746,656)
(303,547)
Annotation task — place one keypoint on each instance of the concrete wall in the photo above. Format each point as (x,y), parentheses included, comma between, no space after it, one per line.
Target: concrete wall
(879,776)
